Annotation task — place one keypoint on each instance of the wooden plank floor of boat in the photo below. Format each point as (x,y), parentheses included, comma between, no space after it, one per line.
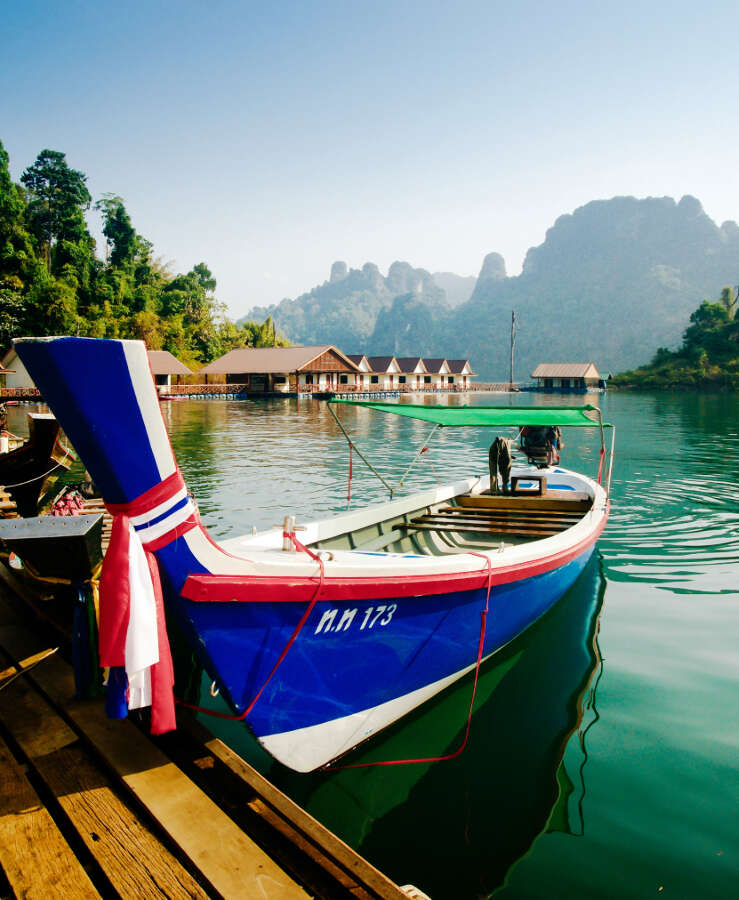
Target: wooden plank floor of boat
(94,808)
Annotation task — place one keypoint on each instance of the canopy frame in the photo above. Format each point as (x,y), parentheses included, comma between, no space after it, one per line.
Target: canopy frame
(520,416)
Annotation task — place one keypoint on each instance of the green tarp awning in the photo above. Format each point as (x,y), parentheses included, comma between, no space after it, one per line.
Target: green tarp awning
(487,416)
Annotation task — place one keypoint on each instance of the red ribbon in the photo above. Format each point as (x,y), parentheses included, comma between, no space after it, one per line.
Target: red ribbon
(115,596)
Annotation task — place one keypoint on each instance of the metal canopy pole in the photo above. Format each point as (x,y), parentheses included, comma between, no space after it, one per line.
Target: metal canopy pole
(359,452)
(421,449)
(610,462)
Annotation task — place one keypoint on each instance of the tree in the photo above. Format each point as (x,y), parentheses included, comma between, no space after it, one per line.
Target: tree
(58,200)
(12,311)
(120,234)
(728,300)
(16,249)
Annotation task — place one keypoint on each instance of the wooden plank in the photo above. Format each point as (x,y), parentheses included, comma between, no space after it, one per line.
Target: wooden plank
(363,871)
(481,524)
(134,861)
(502,529)
(298,840)
(504,515)
(34,856)
(28,663)
(577,504)
(226,857)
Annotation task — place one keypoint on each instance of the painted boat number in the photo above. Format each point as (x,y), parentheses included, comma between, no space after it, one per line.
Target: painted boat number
(373,615)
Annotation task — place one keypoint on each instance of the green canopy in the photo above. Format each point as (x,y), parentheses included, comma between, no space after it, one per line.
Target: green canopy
(487,416)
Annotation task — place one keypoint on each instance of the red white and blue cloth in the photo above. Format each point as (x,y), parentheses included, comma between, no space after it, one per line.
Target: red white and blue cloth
(133,632)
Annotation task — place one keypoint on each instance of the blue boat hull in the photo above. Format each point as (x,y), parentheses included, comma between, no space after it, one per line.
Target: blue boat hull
(336,667)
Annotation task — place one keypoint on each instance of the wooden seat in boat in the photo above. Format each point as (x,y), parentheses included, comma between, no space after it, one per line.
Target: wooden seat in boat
(553,500)
(533,516)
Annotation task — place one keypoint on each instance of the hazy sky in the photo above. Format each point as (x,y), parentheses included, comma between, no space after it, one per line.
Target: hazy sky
(270,139)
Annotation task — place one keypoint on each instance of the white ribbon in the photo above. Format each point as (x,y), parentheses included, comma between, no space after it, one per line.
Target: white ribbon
(142,643)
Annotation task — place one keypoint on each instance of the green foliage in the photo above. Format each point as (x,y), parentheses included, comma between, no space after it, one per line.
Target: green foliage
(57,200)
(52,282)
(708,357)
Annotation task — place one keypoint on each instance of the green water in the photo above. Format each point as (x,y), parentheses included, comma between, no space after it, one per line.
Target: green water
(602,760)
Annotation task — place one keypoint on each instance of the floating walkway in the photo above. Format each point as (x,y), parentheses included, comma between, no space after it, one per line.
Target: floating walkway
(92,808)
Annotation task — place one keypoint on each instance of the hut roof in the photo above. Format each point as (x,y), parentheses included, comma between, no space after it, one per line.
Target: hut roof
(381,363)
(408,364)
(435,366)
(162,362)
(565,370)
(269,360)
(457,366)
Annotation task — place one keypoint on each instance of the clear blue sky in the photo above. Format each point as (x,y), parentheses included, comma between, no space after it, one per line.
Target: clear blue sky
(271,138)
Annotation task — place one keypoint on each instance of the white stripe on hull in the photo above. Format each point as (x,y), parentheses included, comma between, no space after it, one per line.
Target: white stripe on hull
(146,397)
(305,749)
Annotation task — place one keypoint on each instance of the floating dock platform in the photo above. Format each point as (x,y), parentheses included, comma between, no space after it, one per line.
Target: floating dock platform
(96,808)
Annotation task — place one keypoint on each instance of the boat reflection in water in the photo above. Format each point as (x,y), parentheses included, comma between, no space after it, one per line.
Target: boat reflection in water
(456,828)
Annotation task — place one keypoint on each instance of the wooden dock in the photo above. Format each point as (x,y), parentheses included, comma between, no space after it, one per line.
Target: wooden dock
(94,808)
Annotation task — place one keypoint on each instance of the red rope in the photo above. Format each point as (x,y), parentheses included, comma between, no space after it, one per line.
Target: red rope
(291,641)
(349,485)
(600,463)
(460,749)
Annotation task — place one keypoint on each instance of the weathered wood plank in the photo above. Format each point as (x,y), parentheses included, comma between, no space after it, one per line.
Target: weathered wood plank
(29,662)
(132,859)
(136,863)
(296,817)
(226,857)
(36,859)
(299,840)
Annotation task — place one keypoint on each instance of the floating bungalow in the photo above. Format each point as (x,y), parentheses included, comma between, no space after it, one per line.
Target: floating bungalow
(567,377)
(284,370)
(281,370)
(413,371)
(14,374)
(384,373)
(438,375)
(461,372)
(165,367)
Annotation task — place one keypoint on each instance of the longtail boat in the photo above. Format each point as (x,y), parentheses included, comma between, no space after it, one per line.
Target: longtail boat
(25,470)
(319,642)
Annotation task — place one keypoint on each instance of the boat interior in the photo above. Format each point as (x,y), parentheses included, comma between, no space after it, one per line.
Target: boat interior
(482,521)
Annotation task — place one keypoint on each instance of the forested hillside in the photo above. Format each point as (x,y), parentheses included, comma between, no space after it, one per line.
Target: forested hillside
(53,282)
(708,357)
(611,282)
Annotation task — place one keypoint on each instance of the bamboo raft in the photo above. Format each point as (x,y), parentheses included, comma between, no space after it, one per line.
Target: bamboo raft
(94,808)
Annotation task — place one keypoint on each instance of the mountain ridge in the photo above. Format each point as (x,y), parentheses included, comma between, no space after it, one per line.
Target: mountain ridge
(611,282)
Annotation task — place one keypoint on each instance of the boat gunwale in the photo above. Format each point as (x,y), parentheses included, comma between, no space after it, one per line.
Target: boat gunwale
(223,588)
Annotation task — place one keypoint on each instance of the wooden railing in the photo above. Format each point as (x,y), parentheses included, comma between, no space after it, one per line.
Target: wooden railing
(20,393)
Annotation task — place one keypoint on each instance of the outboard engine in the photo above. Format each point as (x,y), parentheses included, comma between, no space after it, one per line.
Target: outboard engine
(541,444)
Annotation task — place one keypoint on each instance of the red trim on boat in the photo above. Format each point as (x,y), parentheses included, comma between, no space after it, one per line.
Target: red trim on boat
(209,588)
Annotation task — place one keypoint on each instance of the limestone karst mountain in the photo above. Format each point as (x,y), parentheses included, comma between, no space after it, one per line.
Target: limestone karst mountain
(611,282)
